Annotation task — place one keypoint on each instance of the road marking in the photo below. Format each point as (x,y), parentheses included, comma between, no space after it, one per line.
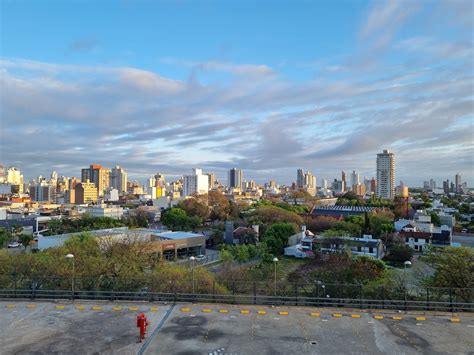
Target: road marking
(223,311)
(30,306)
(337,315)
(378,317)
(470,326)
(244,311)
(455,320)
(370,322)
(153,309)
(206,310)
(116,308)
(133,308)
(315,314)
(283,313)
(185,309)
(96,308)
(262,312)
(420,318)
(397,318)
(355,315)
(324,320)
(59,307)
(419,323)
(11,305)
(80,308)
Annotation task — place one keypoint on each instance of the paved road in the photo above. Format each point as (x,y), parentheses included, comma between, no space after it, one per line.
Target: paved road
(206,329)
(464,240)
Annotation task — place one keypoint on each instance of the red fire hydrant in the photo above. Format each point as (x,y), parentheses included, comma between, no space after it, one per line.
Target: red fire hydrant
(142,323)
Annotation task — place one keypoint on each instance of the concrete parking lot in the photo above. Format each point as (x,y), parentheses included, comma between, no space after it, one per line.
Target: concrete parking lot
(45,328)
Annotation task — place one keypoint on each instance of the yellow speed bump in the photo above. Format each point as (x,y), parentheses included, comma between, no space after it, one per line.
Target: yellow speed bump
(133,308)
(153,309)
(80,308)
(116,308)
(397,318)
(378,317)
(420,318)
(262,312)
(455,320)
(355,315)
(244,311)
(206,310)
(185,309)
(223,311)
(30,306)
(283,313)
(315,314)
(337,315)
(59,307)
(96,308)
(11,305)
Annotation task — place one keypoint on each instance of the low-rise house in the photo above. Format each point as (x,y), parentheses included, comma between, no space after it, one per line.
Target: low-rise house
(364,245)
(296,238)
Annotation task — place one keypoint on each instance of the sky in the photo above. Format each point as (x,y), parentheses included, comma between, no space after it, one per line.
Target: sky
(265,86)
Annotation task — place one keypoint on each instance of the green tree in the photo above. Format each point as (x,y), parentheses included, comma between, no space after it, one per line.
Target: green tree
(194,207)
(25,239)
(175,218)
(399,253)
(273,214)
(435,219)
(219,205)
(5,237)
(276,236)
(454,267)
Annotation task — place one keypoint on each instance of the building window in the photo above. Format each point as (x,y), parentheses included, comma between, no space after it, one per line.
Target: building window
(416,240)
(359,249)
(371,250)
(407,239)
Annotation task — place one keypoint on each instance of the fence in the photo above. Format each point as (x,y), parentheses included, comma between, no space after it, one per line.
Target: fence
(239,292)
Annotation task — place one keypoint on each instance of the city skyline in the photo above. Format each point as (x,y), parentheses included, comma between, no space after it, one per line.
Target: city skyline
(324,86)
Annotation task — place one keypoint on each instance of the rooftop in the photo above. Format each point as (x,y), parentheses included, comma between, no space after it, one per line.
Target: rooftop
(176,235)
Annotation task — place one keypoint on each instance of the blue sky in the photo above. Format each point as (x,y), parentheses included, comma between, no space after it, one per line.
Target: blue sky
(264,86)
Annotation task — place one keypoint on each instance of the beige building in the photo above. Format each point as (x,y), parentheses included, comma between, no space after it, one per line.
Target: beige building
(86,192)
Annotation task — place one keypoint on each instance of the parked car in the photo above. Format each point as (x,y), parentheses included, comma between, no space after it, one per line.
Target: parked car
(14,245)
(200,257)
(464,230)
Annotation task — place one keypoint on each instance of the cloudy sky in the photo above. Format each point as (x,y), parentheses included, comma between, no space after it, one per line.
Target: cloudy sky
(260,85)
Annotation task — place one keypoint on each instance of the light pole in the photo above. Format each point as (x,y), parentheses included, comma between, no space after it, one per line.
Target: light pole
(71,256)
(275,260)
(405,264)
(192,258)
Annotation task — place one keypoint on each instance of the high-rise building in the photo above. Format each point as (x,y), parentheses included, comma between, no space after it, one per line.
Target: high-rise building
(2,174)
(432,184)
(70,194)
(43,192)
(355,178)
(98,175)
(235,178)
(386,175)
(212,180)
(300,178)
(118,179)
(343,179)
(426,185)
(446,187)
(458,183)
(86,192)
(196,183)
(14,177)
(324,183)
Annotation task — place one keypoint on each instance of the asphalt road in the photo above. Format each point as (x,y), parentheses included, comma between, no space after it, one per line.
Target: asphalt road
(464,239)
(92,328)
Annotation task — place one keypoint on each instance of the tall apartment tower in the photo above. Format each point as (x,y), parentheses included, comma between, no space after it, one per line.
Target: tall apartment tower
(343,179)
(98,175)
(235,178)
(386,175)
(458,183)
(195,183)
(118,179)
(300,178)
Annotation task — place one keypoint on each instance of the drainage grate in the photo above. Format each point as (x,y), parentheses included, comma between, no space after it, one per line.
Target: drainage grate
(313,342)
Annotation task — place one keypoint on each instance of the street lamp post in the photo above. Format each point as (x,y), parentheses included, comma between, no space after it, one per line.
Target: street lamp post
(71,256)
(275,260)
(405,264)
(192,258)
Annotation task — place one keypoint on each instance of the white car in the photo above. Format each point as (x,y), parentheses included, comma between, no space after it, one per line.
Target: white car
(200,257)
(14,245)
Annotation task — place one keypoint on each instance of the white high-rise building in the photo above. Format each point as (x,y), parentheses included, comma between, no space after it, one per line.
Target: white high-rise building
(386,175)
(14,177)
(196,183)
(355,178)
(324,183)
(118,179)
